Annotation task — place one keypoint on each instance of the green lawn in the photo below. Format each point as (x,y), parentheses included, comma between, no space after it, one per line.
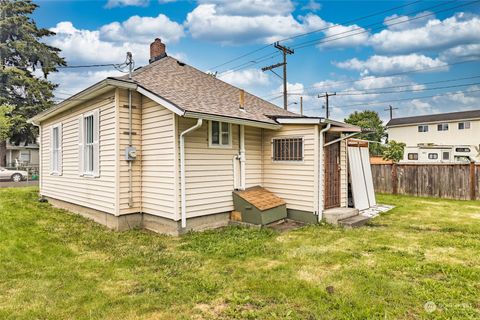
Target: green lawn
(55,265)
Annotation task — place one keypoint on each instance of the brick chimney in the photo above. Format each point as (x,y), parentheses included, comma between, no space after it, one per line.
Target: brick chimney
(157,50)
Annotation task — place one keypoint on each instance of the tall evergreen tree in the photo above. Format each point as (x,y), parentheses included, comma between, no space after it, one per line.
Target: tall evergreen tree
(22,53)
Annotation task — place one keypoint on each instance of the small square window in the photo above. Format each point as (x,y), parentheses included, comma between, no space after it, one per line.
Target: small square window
(287,149)
(464,125)
(220,134)
(446,155)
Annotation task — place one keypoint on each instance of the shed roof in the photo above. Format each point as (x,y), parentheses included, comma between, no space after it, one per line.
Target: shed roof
(462,115)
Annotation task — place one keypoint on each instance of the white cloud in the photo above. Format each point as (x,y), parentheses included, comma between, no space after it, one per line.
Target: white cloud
(384,64)
(247,78)
(110,43)
(397,22)
(251,8)
(205,22)
(126,3)
(435,34)
(85,46)
(340,36)
(143,30)
(312,5)
(71,82)
(462,52)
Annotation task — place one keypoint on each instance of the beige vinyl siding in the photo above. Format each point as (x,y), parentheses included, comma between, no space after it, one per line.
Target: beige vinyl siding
(293,181)
(253,155)
(97,193)
(123,124)
(343,173)
(159,191)
(209,171)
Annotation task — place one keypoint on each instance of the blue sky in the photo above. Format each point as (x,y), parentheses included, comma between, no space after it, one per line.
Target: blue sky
(365,61)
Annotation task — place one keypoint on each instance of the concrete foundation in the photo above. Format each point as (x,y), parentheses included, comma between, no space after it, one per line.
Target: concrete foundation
(144,220)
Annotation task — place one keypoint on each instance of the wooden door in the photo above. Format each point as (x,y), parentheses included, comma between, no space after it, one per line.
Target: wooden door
(332,172)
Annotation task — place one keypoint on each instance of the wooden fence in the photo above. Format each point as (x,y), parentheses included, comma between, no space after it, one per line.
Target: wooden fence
(450,181)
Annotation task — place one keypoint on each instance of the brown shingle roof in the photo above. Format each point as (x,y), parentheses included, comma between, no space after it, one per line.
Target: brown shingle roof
(193,90)
(463,115)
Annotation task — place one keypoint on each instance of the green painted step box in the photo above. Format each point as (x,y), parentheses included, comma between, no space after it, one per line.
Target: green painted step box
(251,214)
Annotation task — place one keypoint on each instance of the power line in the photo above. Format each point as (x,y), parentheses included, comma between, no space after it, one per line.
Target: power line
(327,38)
(314,31)
(405,99)
(383,26)
(335,83)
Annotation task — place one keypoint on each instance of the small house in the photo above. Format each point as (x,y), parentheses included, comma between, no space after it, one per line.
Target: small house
(166,149)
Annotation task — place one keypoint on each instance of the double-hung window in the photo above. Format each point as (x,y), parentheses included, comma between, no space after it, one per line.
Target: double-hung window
(423,128)
(442,127)
(464,125)
(88,144)
(56,149)
(220,134)
(287,149)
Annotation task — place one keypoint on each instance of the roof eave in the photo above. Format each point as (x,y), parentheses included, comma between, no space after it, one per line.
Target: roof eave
(234,120)
(78,98)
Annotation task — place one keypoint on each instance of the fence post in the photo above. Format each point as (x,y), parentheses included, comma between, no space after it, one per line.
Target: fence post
(394,179)
(473,183)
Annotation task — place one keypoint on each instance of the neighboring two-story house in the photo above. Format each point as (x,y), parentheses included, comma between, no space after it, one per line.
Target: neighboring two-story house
(445,137)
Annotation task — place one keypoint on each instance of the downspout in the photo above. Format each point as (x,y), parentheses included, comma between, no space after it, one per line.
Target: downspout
(182,170)
(242,158)
(130,174)
(321,186)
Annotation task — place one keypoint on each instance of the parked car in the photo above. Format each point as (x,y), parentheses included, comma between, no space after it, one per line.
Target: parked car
(13,175)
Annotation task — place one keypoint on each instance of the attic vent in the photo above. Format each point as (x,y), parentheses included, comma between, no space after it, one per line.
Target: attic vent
(180,63)
(241,99)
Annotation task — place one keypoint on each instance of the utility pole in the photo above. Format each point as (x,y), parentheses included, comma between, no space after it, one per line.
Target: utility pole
(130,64)
(301,105)
(285,51)
(326,95)
(391,111)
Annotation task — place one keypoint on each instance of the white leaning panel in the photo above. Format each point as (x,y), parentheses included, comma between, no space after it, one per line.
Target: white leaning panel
(367,171)
(359,192)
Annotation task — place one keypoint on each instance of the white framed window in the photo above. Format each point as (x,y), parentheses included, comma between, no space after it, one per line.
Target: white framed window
(464,125)
(88,144)
(25,156)
(442,127)
(219,134)
(433,156)
(423,128)
(56,149)
(287,149)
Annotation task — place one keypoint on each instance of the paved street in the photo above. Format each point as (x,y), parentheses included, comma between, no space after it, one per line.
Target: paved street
(11,184)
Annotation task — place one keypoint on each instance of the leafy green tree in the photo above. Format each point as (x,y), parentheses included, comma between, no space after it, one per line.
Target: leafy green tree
(22,53)
(369,120)
(394,151)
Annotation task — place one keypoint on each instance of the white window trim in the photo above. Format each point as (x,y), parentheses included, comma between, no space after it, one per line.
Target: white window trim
(287,161)
(443,125)
(464,123)
(220,146)
(59,169)
(422,125)
(96,144)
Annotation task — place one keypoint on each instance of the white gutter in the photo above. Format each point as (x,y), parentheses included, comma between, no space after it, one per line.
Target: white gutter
(242,158)
(234,163)
(182,171)
(321,186)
